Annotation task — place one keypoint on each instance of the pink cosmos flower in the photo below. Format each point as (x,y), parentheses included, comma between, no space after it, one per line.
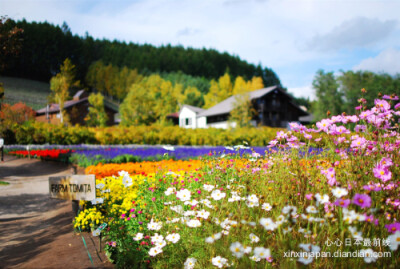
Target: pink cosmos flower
(365,114)
(392,228)
(309,196)
(342,202)
(386,162)
(383,105)
(362,200)
(330,175)
(358,142)
(324,124)
(382,172)
(388,97)
(360,128)
(371,219)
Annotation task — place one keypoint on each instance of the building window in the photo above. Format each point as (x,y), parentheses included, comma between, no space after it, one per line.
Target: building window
(188,121)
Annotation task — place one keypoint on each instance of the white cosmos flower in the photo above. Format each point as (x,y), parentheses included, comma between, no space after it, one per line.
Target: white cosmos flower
(339,192)
(97,201)
(254,238)
(287,229)
(155,226)
(123,173)
(266,207)
(169,191)
(189,213)
(219,261)
(178,209)
(247,250)
(191,202)
(311,209)
(262,253)
(189,263)
(127,181)
(157,238)
(280,219)
(208,187)
(217,195)
(174,237)
(161,244)
(287,209)
(138,236)
(207,203)
(369,255)
(252,200)
(306,258)
(394,241)
(183,195)
(254,258)
(237,250)
(322,199)
(356,234)
(100,186)
(225,232)
(193,223)
(154,251)
(310,248)
(235,197)
(268,224)
(213,238)
(203,214)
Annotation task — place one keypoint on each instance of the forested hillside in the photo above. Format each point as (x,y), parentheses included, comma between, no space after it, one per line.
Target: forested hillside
(45,46)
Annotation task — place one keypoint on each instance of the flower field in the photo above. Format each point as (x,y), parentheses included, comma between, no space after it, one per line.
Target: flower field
(285,208)
(89,155)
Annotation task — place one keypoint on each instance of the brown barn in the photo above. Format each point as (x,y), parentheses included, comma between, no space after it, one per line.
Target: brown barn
(76,109)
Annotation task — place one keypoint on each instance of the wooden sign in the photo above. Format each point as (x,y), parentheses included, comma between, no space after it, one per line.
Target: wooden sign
(74,187)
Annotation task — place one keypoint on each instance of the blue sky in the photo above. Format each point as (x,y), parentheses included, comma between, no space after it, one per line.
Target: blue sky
(293,37)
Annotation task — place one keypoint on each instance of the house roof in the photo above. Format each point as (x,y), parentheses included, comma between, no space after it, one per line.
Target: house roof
(228,104)
(55,108)
(194,108)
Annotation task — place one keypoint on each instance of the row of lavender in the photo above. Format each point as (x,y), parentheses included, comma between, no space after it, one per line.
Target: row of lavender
(85,155)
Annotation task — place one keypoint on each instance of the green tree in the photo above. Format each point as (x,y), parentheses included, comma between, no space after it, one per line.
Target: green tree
(97,115)
(352,82)
(327,93)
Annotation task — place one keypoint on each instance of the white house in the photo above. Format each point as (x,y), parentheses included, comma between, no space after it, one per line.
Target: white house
(188,117)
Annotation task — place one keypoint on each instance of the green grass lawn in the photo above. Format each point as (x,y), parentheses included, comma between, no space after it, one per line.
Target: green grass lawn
(32,93)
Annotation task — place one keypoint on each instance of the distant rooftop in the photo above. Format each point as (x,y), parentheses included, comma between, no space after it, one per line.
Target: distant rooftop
(228,104)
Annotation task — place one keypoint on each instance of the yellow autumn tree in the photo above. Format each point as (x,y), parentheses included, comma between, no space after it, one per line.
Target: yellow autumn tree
(150,101)
(219,91)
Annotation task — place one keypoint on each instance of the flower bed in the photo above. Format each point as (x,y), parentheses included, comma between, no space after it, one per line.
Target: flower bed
(45,154)
(339,209)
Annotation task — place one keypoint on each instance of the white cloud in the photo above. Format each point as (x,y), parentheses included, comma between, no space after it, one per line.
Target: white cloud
(355,33)
(388,61)
(305,91)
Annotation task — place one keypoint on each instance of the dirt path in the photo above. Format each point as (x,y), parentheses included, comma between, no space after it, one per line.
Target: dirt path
(36,231)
